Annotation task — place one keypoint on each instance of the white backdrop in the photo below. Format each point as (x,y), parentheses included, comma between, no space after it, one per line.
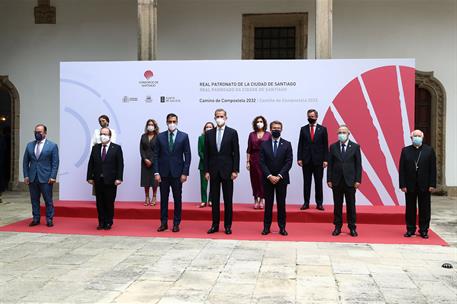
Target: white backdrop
(132,92)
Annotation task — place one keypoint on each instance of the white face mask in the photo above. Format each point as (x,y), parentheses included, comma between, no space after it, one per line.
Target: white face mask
(259,125)
(172,127)
(151,128)
(220,121)
(342,137)
(104,138)
(207,129)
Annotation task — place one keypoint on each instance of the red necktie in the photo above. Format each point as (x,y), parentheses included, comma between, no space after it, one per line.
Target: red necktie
(104,152)
(312,132)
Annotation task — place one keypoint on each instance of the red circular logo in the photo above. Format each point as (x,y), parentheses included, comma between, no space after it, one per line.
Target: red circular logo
(148,74)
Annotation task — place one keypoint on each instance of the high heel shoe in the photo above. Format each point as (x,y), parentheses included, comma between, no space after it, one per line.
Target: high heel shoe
(202,205)
(257,203)
(261,204)
(153,201)
(146,201)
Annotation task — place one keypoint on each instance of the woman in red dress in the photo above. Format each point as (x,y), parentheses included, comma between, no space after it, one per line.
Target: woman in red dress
(255,139)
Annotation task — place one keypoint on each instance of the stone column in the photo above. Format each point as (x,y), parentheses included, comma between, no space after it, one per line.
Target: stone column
(324,28)
(147,29)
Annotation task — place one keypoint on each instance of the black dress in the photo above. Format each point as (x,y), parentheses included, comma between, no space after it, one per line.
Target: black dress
(147,152)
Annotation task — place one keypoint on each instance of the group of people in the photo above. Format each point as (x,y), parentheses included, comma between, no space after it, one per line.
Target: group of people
(166,159)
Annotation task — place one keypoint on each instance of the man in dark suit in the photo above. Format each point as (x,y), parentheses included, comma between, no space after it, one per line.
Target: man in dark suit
(105,171)
(417,176)
(275,161)
(312,157)
(40,165)
(171,168)
(222,164)
(344,175)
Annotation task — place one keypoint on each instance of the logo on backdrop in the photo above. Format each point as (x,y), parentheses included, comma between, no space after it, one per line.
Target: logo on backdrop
(382,117)
(164,99)
(128,99)
(148,83)
(148,74)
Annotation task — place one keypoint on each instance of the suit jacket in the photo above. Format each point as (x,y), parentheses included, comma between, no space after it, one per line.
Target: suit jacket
(111,169)
(348,168)
(313,152)
(43,168)
(425,176)
(225,161)
(279,164)
(176,162)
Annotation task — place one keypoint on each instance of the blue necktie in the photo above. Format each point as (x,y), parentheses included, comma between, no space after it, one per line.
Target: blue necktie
(275,147)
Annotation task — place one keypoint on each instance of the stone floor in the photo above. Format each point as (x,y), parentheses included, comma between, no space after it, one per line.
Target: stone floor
(47,268)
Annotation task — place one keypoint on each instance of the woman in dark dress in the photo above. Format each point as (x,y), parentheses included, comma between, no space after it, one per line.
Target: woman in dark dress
(147,143)
(201,165)
(256,138)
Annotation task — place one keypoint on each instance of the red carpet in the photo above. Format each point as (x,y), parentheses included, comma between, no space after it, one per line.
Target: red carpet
(378,225)
(390,215)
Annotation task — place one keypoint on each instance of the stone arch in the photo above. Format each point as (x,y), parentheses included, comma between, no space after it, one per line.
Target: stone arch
(427,81)
(7,85)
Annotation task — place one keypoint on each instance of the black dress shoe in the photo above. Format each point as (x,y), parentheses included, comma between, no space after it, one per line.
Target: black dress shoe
(304,207)
(283,232)
(213,230)
(34,223)
(107,227)
(100,227)
(353,232)
(320,207)
(408,234)
(265,231)
(175,228)
(162,228)
(424,235)
(50,224)
(336,232)
(228,231)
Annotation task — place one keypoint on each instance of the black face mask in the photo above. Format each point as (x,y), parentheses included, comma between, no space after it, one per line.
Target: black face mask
(276,133)
(312,120)
(38,136)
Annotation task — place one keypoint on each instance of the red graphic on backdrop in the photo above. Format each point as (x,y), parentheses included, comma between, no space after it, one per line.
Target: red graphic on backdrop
(148,74)
(352,108)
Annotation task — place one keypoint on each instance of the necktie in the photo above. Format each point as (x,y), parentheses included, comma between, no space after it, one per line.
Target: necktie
(312,133)
(170,142)
(343,149)
(104,153)
(38,149)
(219,139)
(275,147)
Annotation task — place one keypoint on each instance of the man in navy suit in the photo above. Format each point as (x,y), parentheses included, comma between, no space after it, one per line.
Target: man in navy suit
(171,168)
(222,164)
(344,175)
(312,157)
(40,165)
(275,161)
(105,172)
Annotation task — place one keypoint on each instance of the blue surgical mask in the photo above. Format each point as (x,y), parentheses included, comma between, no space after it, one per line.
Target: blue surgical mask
(38,136)
(417,140)
(342,137)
